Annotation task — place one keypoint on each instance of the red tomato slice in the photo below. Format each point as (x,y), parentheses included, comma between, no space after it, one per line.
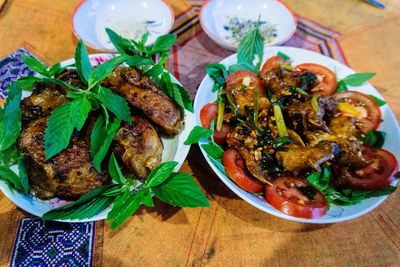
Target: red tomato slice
(272,63)
(327,78)
(235,80)
(370,113)
(379,174)
(209,113)
(285,195)
(234,166)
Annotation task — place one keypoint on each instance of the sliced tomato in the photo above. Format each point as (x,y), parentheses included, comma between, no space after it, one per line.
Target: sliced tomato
(287,194)
(235,168)
(379,174)
(272,63)
(327,78)
(242,77)
(367,111)
(209,113)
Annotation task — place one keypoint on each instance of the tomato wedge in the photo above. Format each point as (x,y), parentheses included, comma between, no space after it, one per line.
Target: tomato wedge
(234,166)
(294,196)
(379,174)
(209,113)
(238,78)
(272,63)
(367,111)
(327,78)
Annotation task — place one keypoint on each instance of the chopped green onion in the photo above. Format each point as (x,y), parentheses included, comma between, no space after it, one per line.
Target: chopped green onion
(256,100)
(220,118)
(314,103)
(280,122)
(287,67)
(232,104)
(301,91)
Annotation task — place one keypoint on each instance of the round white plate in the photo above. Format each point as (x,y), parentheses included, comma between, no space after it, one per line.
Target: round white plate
(389,125)
(129,18)
(215,16)
(174,149)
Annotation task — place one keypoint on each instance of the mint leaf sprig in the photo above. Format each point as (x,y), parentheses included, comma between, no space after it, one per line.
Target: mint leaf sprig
(177,189)
(355,79)
(143,58)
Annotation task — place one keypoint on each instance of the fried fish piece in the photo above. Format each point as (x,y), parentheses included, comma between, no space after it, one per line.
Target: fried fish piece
(143,94)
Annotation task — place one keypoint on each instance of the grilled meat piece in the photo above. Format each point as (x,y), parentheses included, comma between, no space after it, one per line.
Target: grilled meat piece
(68,175)
(44,99)
(296,158)
(279,81)
(142,94)
(139,147)
(303,116)
(72,77)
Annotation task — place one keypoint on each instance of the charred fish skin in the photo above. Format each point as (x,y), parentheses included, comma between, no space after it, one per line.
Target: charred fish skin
(142,94)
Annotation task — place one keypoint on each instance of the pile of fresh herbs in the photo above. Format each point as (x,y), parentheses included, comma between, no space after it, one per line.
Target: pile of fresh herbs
(125,194)
(249,57)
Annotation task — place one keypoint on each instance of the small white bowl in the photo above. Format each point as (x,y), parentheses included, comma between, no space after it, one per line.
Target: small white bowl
(129,18)
(224,21)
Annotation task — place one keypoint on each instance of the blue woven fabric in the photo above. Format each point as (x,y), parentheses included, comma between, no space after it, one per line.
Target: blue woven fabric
(45,243)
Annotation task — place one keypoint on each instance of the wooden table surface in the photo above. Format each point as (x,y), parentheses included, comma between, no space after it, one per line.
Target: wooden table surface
(231,232)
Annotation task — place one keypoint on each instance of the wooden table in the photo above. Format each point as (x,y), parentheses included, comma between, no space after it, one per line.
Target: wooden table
(231,232)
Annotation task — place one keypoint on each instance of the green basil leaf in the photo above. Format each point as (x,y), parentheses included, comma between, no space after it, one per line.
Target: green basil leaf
(9,156)
(103,70)
(357,79)
(56,70)
(23,176)
(283,55)
(119,202)
(341,87)
(104,144)
(60,83)
(196,134)
(123,45)
(213,150)
(242,66)
(115,171)
(161,173)
(218,74)
(181,190)
(81,108)
(374,138)
(10,119)
(181,97)
(128,209)
(251,46)
(36,65)
(147,198)
(82,62)
(25,83)
(217,163)
(379,101)
(13,180)
(115,103)
(138,61)
(144,38)
(59,130)
(162,44)
(98,135)
(155,71)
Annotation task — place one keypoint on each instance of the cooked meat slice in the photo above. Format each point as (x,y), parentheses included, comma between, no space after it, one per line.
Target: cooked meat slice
(303,116)
(296,158)
(279,81)
(344,126)
(139,147)
(44,99)
(142,94)
(68,175)
(72,77)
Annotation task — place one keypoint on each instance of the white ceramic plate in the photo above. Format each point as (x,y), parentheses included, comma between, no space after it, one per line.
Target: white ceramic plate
(389,125)
(129,18)
(222,19)
(174,149)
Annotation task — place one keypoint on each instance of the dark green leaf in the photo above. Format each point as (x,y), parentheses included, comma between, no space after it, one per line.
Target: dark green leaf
(121,44)
(218,74)
(341,87)
(217,163)
(283,55)
(100,153)
(118,204)
(155,71)
(182,97)
(213,150)
(115,103)
(357,79)
(181,190)
(128,209)
(161,173)
(374,138)
(36,65)
(196,134)
(23,176)
(56,70)
(59,130)
(115,171)
(251,47)
(138,61)
(242,66)
(162,44)
(104,70)
(80,108)
(12,179)
(10,119)
(82,62)
(397,175)
(147,198)
(60,83)
(379,101)
(9,156)
(98,135)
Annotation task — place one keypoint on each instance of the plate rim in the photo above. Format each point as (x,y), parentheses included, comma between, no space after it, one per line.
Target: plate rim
(258,204)
(182,151)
